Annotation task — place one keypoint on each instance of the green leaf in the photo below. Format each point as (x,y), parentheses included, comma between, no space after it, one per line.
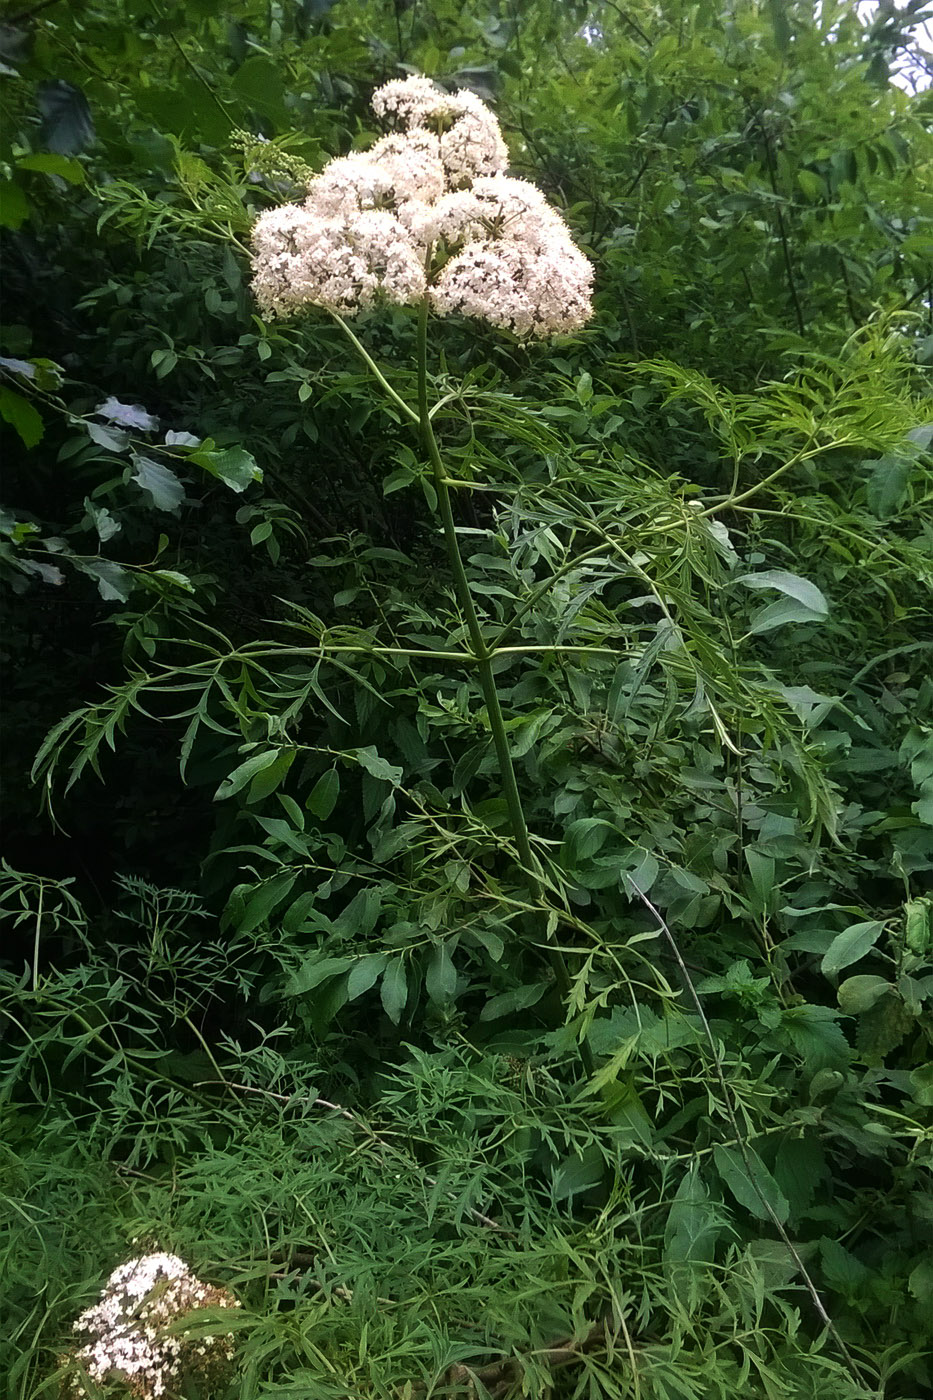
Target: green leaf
(693,1223)
(780,614)
(799,1168)
(751,1183)
(247,770)
(581,1172)
(114,584)
(268,779)
(518,999)
(365,974)
(886,489)
(21,415)
(232,465)
(860,993)
(322,799)
(260,905)
(14,206)
(377,767)
(159,483)
(440,977)
(258,82)
(850,945)
(805,593)
(394,991)
(315,971)
(66,167)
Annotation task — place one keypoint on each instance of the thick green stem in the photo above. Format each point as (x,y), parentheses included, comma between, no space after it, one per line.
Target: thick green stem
(483,657)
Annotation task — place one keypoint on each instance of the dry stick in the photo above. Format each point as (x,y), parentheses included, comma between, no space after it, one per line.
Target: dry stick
(359,1122)
(743,1144)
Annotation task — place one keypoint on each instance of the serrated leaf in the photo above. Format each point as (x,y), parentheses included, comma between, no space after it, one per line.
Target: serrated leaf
(21,415)
(160,484)
(850,945)
(394,990)
(693,1224)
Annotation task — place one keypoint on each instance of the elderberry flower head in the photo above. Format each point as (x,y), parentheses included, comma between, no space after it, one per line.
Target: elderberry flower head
(127,1342)
(427,212)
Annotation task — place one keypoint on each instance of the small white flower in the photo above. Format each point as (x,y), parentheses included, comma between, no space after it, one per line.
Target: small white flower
(384,223)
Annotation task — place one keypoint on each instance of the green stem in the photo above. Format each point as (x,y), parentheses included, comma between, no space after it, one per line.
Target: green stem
(483,657)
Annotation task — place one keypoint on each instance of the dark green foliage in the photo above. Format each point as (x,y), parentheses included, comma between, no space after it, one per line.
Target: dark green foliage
(282,1001)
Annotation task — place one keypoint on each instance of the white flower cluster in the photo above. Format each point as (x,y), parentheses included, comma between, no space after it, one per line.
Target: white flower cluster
(126,1329)
(426,212)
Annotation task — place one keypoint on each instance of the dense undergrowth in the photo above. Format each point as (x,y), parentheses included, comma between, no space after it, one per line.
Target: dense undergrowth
(284,1001)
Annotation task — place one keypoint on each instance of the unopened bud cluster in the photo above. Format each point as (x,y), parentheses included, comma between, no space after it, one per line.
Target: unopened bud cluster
(127,1342)
(426,211)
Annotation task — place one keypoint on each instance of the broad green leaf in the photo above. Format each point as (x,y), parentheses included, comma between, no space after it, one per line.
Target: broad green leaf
(104,523)
(315,971)
(268,779)
(860,993)
(109,438)
(578,1173)
(800,589)
(131,415)
(159,483)
(781,613)
(440,978)
(365,974)
(268,897)
(322,799)
(693,1223)
(918,926)
(378,767)
(518,999)
(245,772)
(886,490)
(21,415)
(750,1182)
(65,167)
(232,465)
(114,583)
(14,206)
(850,945)
(394,990)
